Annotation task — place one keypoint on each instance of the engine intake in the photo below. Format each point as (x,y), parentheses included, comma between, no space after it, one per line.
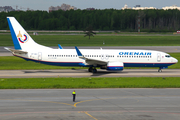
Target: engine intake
(117,66)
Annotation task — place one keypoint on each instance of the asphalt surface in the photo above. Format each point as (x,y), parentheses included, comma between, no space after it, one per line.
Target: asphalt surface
(167,49)
(91,104)
(85,73)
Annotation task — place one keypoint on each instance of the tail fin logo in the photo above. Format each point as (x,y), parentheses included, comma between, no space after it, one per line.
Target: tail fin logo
(22,38)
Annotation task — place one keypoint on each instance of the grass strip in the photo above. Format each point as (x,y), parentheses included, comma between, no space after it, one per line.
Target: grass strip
(118,82)
(109,40)
(15,63)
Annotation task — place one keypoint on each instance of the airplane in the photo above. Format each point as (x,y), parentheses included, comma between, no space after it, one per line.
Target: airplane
(112,60)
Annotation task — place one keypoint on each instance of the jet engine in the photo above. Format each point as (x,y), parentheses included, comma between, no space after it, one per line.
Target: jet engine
(116,66)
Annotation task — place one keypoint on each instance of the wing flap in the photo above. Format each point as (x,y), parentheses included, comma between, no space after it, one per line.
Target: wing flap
(97,62)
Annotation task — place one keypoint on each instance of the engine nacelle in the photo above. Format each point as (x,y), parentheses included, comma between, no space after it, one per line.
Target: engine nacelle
(117,66)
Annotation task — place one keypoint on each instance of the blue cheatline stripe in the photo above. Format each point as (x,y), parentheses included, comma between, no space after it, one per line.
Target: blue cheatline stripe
(14,38)
(147,64)
(78,52)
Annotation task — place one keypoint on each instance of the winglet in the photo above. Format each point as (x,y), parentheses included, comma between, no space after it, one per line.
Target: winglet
(80,55)
(78,52)
(60,47)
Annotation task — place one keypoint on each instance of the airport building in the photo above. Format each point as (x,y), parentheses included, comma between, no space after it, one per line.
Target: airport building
(62,7)
(6,9)
(137,7)
(126,7)
(171,7)
(143,8)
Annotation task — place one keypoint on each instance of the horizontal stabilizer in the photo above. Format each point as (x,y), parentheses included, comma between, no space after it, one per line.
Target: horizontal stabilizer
(16,51)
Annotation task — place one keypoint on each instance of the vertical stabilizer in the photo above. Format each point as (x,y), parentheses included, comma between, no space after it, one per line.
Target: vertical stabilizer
(21,39)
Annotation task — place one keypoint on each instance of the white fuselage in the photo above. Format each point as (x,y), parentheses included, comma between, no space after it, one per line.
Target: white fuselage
(130,58)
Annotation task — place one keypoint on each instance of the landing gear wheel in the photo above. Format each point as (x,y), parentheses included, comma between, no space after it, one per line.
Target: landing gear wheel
(159,70)
(90,69)
(94,71)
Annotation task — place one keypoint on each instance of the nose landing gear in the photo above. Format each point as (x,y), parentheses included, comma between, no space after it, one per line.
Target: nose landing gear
(159,70)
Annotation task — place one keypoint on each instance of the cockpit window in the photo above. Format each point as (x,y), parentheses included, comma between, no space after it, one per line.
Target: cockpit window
(168,56)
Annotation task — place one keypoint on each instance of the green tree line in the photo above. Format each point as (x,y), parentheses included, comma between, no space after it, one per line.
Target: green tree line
(108,19)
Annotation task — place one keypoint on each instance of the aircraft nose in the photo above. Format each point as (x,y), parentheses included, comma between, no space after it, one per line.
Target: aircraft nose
(175,60)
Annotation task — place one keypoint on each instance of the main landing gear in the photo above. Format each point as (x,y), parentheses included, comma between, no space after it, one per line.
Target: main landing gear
(92,69)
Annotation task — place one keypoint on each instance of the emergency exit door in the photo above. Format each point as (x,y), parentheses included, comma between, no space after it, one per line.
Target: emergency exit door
(159,57)
(39,55)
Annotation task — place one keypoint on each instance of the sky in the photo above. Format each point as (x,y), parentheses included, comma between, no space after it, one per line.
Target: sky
(83,4)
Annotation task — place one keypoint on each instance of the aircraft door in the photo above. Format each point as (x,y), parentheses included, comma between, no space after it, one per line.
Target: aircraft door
(159,57)
(104,57)
(39,55)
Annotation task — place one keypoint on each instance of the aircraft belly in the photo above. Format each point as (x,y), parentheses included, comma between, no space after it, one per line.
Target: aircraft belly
(147,64)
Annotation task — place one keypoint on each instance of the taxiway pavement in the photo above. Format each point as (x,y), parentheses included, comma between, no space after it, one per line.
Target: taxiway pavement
(85,73)
(91,104)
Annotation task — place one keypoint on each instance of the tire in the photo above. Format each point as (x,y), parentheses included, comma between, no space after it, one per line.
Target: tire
(90,69)
(94,70)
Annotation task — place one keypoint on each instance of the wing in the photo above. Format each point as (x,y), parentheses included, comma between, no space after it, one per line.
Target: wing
(89,60)
(16,51)
(95,62)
